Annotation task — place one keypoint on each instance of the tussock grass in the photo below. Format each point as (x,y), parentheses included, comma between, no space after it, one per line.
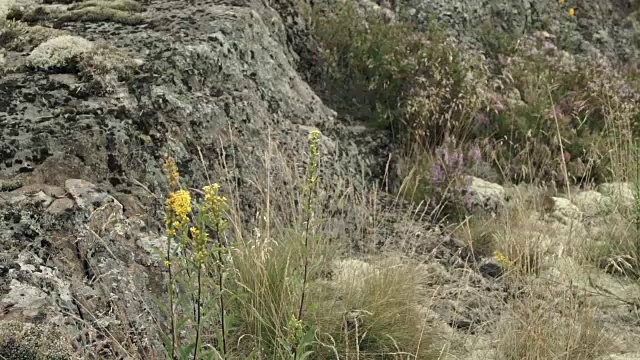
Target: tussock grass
(371,308)
(267,282)
(538,327)
(107,67)
(615,248)
(517,235)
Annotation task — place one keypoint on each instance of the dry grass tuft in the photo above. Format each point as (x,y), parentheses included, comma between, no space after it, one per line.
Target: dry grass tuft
(539,327)
(107,66)
(373,308)
(122,5)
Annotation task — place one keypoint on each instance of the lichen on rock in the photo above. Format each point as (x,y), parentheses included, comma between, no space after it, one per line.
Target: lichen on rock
(26,341)
(59,53)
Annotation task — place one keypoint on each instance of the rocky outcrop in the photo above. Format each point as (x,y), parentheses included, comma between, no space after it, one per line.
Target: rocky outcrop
(72,262)
(217,85)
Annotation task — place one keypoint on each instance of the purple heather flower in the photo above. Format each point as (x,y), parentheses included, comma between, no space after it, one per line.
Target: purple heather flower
(456,161)
(475,153)
(468,200)
(436,176)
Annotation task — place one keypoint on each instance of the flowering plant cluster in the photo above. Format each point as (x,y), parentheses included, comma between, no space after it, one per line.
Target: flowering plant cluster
(448,184)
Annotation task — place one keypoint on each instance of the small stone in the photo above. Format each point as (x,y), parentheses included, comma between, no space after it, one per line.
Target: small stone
(41,199)
(562,210)
(622,193)
(486,196)
(83,192)
(59,206)
(132,206)
(491,268)
(591,202)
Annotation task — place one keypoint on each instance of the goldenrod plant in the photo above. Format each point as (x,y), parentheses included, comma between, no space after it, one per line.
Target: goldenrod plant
(310,190)
(197,262)
(194,255)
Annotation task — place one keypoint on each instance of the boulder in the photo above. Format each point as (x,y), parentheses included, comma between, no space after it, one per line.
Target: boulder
(620,193)
(486,196)
(592,203)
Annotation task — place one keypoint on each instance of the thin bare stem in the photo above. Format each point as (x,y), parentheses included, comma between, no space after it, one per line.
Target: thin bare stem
(171,301)
(199,311)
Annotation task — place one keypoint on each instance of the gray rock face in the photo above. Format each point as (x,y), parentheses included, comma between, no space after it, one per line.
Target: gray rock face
(74,259)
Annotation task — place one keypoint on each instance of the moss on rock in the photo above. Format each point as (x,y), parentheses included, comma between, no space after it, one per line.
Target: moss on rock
(18,35)
(122,5)
(100,13)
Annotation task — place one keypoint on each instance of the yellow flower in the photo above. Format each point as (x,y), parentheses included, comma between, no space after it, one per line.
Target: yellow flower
(502,259)
(214,205)
(199,245)
(572,12)
(561,2)
(178,209)
(195,232)
(172,173)
(312,166)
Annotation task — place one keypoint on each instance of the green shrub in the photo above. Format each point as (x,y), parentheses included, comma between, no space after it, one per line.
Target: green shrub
(582,101)
(386,73)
